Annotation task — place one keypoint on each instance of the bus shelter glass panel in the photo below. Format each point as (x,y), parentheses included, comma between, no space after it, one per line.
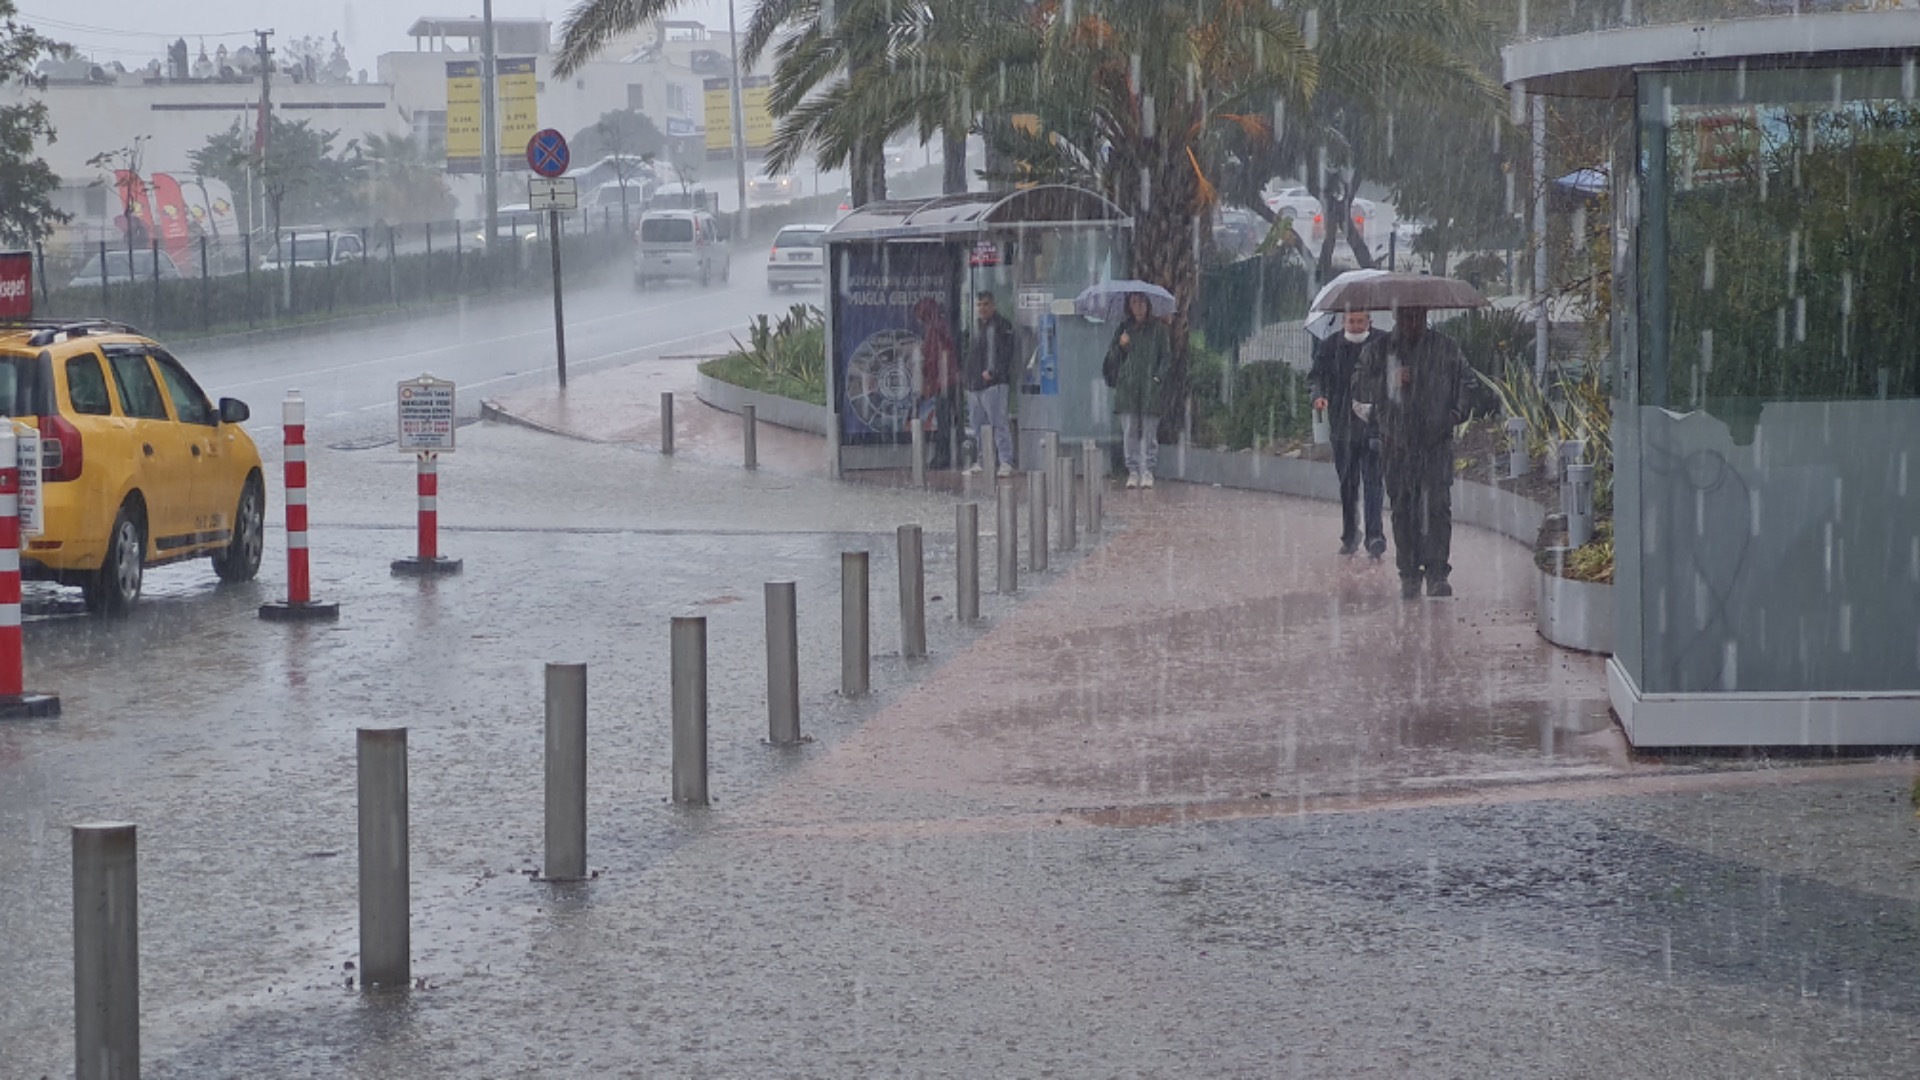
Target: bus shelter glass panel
(1770,428)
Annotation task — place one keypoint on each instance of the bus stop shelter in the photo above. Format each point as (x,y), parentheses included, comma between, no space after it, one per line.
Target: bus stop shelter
(902,272)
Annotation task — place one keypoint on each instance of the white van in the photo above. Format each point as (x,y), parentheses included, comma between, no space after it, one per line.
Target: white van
(679,244)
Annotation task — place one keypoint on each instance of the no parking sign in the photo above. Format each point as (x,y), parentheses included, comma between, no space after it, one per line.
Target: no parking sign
(426,415)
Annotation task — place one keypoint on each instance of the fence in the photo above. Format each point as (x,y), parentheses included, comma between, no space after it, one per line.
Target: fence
(253,281)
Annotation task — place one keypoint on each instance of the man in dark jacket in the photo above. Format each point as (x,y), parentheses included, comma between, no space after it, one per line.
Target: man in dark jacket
(1414,382)
(988,371)
(1355,442)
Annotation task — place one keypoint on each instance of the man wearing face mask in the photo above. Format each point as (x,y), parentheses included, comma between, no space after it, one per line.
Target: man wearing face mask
(1355,442)
(1415,382)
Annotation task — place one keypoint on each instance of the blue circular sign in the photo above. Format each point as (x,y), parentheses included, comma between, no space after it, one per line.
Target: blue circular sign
(547,153)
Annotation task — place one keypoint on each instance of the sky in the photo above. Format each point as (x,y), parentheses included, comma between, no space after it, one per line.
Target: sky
(134,31)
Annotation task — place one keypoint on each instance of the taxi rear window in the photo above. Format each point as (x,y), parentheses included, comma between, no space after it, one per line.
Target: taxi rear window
(666,231)
(23,385)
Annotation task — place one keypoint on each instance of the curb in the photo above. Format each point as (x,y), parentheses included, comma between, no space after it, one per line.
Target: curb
(490,411)
(767,408)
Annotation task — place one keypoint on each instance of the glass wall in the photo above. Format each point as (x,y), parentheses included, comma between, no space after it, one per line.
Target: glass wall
(1769,421)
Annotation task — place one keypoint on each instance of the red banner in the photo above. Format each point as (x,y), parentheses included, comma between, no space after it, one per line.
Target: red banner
(136,220)
(16,284)
(170,210)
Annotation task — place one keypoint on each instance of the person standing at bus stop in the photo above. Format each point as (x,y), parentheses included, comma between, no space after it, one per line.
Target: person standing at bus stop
(989,369)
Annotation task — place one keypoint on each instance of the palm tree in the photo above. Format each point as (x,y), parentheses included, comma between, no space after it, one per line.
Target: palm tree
(407,185)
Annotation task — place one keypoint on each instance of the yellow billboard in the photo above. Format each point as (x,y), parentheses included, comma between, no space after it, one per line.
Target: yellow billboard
(463,116)
(753,110)
(515,90)
(517,86)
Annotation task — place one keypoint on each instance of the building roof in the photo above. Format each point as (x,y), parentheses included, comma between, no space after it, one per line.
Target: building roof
(1602,63)
(976,212)
(463,25)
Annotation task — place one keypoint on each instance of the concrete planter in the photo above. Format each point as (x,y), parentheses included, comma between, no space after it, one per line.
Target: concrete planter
(767,408)
(1572,614)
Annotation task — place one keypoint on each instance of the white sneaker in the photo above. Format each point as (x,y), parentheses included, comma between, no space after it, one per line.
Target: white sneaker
(1005,470)
(1146,479)
(973,469)
(1133,479)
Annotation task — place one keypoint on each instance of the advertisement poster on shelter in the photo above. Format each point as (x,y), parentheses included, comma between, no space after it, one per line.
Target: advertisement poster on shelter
(893,320)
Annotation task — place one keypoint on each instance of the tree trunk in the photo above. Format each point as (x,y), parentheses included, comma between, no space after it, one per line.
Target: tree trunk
(1164,254)
(999,166)
(953,160)
(867,173)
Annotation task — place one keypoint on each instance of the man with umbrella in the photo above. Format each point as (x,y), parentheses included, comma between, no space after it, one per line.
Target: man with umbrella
(1356,443)
(1415,382)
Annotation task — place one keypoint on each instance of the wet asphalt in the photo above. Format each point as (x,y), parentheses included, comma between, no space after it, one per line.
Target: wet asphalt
(1202,873)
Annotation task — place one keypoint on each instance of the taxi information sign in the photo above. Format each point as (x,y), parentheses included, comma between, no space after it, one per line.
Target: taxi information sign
(26,438)
(426,415)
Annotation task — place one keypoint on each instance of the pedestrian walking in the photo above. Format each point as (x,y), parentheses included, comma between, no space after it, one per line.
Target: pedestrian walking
(1414,383)
(1136,368)
(1355,442)
(990,359)
(939,376)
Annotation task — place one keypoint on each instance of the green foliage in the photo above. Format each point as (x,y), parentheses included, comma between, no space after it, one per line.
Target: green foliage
(1483,270)
(1239,298)
(1268,403)
(27,183)
(1495,341)
(404,182)
(304,180)
(787,357)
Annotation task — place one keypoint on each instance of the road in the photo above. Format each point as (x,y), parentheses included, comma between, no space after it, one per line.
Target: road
(490,346)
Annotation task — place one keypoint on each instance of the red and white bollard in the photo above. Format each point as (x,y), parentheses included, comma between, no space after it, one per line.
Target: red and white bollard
(299,605)
(427,558)
(15,702)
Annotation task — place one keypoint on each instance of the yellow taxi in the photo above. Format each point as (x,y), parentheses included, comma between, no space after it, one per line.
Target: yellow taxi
(138,468)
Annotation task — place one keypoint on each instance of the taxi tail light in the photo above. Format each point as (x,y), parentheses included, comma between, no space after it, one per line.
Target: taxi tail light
(60,453)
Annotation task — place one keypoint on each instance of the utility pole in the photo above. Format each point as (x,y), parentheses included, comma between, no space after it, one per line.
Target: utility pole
(739,126)
(263,128)
(489,126)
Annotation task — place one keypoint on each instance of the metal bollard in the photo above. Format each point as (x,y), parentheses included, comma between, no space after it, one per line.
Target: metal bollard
(989,454)
(917,428)
(386,954)
(1037,520)
(966,531)
(855,645)
(106,952)
(1049,463)
(1069,504)
(1579,505)
(1517,447)
(1007,539)
(666,423)
(1570,453)
(913,592)
(783,664)
(1090,462)
(689,660)
(566,772)
(749,427)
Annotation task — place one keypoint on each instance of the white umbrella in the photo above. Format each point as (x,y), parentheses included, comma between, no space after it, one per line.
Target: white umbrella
(1322,322)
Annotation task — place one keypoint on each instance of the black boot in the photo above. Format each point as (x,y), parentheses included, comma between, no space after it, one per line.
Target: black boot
(1439,587)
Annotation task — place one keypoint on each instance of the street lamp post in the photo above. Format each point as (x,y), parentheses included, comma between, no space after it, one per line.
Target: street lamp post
(739,125)
(489,127)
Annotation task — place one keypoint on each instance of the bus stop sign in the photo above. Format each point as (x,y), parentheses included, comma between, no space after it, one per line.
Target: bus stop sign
(547,153)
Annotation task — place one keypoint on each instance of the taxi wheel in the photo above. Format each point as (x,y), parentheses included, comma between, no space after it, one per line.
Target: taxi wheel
(112,589)
(241,560)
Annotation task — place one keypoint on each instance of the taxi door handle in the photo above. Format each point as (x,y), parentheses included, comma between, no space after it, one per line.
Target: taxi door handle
(147,448)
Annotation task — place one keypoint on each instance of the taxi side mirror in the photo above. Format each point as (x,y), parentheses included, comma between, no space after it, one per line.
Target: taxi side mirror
(233,411)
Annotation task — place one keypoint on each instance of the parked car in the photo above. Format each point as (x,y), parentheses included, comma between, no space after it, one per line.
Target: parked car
(673,197)
(772,186)
(313,247)
(1295,202)
(1236,231)
(607,197)
(138,468)
(123,266)
(797,258)
(515,222)
(679,244)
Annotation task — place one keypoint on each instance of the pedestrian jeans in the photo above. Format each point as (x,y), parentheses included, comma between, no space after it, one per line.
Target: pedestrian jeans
(1421,492)
(1357,462)
(989,407)
(1140,441)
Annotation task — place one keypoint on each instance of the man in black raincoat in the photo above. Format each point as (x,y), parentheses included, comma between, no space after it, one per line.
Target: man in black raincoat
(1355,442)
(1415,383)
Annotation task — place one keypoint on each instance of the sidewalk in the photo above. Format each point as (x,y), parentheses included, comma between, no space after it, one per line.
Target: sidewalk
(1214,800)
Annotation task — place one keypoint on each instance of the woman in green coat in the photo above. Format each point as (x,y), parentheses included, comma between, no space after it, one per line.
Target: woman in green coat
(1136,367)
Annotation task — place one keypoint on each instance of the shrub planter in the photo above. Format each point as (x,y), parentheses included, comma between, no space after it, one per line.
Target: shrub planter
(771,408)
(1572,614)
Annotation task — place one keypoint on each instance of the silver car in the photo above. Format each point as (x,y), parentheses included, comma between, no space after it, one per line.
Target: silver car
(797,257)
